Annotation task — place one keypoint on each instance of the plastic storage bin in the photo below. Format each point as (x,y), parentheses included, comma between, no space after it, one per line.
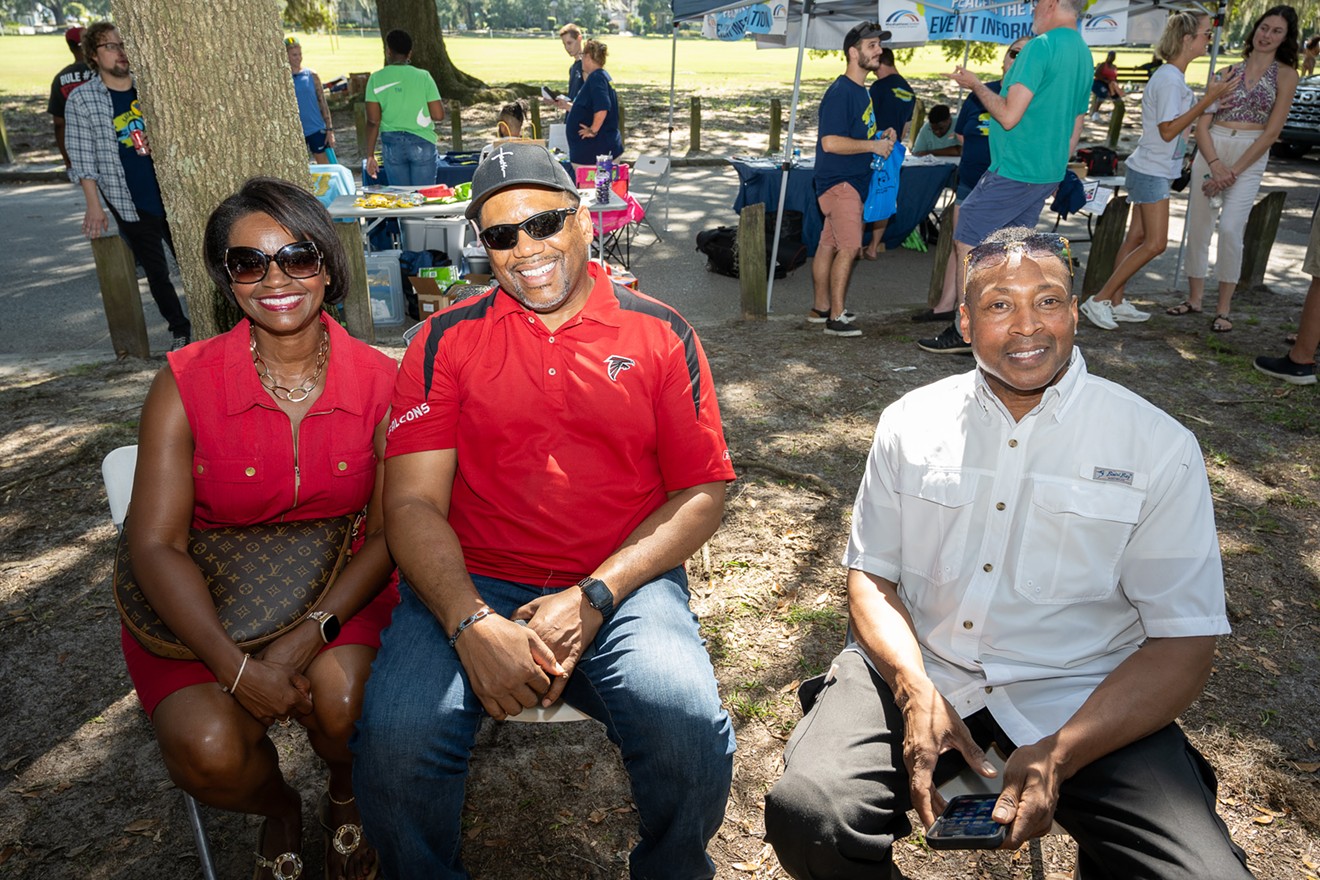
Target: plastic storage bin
(385,287)
(447,234)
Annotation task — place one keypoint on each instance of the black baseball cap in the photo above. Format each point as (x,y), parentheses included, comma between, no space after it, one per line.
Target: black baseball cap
(515,164)
(864,31)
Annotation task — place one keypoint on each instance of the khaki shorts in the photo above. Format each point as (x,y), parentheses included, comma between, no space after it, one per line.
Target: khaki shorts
(842,206)
(1311,262)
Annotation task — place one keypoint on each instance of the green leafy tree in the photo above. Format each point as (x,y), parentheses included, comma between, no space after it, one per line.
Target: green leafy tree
(308,15)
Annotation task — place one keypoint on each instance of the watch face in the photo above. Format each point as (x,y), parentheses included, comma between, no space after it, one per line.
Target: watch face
(329,627)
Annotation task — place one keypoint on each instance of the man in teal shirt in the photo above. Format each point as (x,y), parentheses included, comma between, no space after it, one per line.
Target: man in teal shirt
(403,104)
(1035,122)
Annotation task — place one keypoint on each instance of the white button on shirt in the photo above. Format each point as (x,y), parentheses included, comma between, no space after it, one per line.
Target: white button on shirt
(1035,556)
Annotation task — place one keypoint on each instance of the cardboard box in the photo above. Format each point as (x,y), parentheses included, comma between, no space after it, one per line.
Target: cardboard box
(431,297)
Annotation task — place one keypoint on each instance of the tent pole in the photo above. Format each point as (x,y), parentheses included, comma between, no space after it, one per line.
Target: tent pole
(669,148)
(1221,15)
(787,161)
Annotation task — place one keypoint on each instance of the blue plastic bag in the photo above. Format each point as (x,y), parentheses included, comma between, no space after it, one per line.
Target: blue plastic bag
(882,198)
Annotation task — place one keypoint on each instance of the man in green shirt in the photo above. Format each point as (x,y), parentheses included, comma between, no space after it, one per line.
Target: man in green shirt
(403,104)
(1036,120)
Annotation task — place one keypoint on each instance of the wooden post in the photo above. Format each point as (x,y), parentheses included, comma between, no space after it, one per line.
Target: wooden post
(694,135)
(456,125)
(6,154)
(1105,241)
(1262,227)
(117,275)
(751,261)
(1115,125)
(776,126)
(534,105)
(943,248)
(918,117)
(357,305)
(360,125)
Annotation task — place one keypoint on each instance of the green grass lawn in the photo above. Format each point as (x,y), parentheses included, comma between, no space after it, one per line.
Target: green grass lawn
(27,64)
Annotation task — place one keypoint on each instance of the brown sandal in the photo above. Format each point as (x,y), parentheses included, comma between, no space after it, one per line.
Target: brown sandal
(1221,324)
(285,866)
(1182,308)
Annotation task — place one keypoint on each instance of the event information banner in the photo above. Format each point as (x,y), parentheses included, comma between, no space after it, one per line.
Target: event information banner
(1105,22)
(734,24)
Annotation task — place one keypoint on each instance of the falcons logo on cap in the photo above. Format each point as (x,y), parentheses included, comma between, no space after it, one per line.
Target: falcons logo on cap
(616,364)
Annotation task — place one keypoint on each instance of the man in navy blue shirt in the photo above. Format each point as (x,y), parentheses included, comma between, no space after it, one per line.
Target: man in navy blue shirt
(845,142)
(893,101)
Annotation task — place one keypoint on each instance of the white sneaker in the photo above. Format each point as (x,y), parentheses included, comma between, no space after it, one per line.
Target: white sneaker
(1100,313)
(1095,117)
(1126,311)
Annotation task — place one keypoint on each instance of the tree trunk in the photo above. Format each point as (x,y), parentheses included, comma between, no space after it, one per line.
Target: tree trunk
(420,20)
(219,108)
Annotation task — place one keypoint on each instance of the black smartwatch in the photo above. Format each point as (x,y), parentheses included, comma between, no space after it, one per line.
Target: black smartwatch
(598,595)
(329,624)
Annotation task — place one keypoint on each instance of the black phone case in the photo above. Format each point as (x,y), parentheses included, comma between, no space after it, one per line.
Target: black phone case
(951,829)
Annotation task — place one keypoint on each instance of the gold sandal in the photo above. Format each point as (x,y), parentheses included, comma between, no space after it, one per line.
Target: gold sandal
(285,866)
(345,839)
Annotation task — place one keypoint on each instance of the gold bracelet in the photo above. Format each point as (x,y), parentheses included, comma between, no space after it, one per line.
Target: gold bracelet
(233,687)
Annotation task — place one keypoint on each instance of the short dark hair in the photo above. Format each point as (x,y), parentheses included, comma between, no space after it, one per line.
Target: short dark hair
(939,113)
(1020,235)
(91,38)
(289,205)
(399,42)
(887,56)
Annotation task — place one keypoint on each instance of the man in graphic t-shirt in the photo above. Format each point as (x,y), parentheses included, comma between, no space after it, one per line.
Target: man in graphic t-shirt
(845,141)
(65,82)
(403,105)
(110,157)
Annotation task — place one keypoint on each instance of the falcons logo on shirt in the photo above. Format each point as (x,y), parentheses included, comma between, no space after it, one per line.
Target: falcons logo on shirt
(616,364)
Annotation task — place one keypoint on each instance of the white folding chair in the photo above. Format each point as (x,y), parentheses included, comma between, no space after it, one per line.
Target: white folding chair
(117,471)
(656,167)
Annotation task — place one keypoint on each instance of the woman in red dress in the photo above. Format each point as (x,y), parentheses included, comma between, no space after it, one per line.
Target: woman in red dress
(281,418)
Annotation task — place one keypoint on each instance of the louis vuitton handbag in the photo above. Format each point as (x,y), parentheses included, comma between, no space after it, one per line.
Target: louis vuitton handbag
(264,579)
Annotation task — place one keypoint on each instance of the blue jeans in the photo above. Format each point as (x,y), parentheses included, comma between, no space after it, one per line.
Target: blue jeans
(409,159)
(646,677)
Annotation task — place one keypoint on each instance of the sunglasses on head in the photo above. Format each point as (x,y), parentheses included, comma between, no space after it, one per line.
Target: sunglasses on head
(248,265)
(991,254)
(504,236)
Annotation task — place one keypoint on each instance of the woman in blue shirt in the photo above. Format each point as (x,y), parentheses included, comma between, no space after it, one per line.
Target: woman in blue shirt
(593,121)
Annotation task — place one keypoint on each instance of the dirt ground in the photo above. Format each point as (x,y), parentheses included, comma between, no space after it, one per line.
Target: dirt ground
(83,793)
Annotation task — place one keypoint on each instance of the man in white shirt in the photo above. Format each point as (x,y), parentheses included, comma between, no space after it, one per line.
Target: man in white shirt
(1033,562)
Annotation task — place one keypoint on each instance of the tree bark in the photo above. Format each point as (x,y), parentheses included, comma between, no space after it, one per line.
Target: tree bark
(219,108)
(420,20)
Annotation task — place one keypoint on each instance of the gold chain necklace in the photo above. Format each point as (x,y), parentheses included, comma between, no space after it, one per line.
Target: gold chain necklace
(306,387)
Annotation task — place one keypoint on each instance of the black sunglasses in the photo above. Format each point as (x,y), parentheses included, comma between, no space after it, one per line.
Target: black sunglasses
(248,265)
(1013,53)
(504,236)
(985,256)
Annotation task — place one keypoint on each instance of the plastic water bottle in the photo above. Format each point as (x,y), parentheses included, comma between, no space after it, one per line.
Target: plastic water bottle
(1216,200)
(604,172)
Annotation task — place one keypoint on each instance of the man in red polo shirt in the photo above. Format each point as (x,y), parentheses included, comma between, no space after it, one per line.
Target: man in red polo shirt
(554,456)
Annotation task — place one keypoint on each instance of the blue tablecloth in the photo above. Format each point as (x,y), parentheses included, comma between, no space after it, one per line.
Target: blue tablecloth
(918,190)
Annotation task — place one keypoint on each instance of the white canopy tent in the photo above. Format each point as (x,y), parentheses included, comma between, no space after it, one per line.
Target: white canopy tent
(1139,21)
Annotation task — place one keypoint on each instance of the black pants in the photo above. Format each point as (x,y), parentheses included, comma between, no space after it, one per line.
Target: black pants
(147,237)
(1144,811)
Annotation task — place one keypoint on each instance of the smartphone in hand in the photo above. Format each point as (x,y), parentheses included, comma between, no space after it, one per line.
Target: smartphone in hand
(966,823)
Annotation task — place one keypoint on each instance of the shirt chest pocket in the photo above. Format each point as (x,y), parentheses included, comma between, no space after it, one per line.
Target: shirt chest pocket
(936,518)
(1073,540)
